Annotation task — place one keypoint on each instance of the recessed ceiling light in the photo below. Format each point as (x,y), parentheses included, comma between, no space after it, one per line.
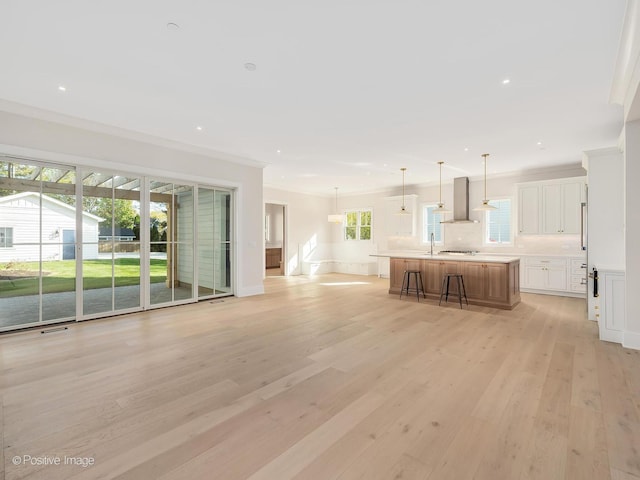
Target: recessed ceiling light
(384,164)
(250,66)
(466,149)
(173,26)
(199,128)
(62,88)
(506,81)
(277,151)
(539,143)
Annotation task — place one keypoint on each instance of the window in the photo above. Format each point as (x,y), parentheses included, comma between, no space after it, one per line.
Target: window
(498,222)
(431,224)
(6,237)
(357,225)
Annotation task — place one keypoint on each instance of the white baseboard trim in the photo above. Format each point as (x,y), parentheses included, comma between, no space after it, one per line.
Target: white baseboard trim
(249,291)
(558,293)
(631,340)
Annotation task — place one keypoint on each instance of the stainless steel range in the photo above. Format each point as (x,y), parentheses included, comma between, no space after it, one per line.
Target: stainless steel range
(458,252)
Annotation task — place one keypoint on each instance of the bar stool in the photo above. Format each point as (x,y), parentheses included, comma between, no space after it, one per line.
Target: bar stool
(406,282)
(461,290)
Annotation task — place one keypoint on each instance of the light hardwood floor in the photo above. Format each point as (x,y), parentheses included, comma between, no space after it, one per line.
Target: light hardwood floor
(324,378)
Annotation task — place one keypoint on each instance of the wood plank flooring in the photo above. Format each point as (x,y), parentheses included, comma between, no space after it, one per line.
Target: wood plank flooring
(323,378)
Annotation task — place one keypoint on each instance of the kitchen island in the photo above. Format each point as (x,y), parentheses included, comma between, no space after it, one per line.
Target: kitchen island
(490,280)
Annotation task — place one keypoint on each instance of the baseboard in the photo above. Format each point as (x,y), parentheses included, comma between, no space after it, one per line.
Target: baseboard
(558,293)
(631,340)
(250,290)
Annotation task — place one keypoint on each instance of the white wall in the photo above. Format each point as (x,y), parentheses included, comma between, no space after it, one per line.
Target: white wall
(54,141)
(465,236)
(311,237)
(632,233)
(605,237)
(308,233)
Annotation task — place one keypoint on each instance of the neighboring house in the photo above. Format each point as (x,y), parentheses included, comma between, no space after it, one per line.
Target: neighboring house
(118,234)
(20,239)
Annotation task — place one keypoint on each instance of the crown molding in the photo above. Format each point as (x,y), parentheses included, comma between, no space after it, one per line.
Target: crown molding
(626,78)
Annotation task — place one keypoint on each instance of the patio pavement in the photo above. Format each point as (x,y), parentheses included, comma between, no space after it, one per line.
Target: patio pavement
(24,309)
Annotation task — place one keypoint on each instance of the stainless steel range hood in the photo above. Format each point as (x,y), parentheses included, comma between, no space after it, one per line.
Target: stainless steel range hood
(460,201)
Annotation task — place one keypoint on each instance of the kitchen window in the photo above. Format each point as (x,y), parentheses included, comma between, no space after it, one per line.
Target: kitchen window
(498,223)
(357,225)
(6,237)
(431,224)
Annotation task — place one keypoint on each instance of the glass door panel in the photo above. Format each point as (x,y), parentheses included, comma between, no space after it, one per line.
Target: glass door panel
(59,243)
(171,242)
(111,255)
(214,243)
(222,229)
(126,242)
(205,244)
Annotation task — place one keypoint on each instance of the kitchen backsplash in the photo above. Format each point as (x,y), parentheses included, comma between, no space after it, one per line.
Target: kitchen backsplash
(468,236)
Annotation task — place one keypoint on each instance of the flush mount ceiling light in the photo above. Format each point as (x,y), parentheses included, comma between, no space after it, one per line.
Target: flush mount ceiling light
(506,81)
(440,208)
(250,66)
(403,209)
(335,217)
(199,128)
(485,202)
(62,88)
(173,26)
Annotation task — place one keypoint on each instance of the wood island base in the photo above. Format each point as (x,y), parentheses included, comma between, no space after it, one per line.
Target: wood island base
(489,284)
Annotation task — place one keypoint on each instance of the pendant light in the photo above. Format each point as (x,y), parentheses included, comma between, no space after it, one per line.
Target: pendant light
(485,202)
(440,208)
(403,209)
(335,217)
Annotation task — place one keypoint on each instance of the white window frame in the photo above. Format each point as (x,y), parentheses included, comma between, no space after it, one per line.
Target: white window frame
(4,242)
(358,226)
(425,236)
(485,231)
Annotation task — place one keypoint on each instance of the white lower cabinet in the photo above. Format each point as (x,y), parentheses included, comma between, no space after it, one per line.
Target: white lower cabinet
(552,275)
(611,309)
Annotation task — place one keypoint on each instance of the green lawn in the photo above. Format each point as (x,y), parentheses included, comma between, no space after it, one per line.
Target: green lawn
(60,276)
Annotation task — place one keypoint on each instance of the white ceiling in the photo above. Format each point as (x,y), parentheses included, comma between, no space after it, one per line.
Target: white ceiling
(349,91)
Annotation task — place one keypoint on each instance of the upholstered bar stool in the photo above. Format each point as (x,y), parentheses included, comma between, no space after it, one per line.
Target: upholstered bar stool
(462,292)
(406,283)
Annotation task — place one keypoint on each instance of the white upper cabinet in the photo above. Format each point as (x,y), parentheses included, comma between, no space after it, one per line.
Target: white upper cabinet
(528,209)
(550,208)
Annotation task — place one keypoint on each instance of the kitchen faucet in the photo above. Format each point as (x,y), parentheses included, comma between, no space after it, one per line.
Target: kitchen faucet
(432,240)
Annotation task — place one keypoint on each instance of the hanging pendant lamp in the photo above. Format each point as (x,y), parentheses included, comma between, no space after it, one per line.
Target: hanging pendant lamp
(403,209)
(485,202)
(440,208)
(335,217)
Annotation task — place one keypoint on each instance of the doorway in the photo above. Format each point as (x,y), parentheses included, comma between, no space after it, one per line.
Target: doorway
(274,239)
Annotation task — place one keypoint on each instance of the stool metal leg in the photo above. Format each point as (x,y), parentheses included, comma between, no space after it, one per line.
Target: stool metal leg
(464,290)
(415,275)
(446,297)
(459,291)
(404,279)
(424,295)
(444,279)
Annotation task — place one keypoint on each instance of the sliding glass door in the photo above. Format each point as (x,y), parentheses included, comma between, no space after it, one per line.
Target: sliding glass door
(84,243)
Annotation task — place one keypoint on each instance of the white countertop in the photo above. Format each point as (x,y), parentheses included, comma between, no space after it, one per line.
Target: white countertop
(453,258)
